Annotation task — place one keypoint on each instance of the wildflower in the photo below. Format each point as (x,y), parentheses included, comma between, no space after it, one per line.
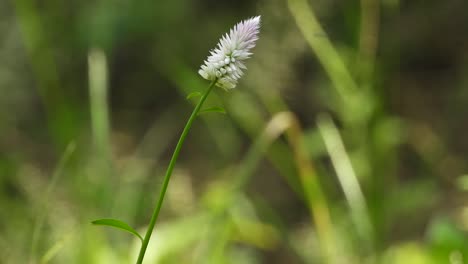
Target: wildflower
(225,64)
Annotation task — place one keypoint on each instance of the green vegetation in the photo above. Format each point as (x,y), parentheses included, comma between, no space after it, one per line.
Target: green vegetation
(345,142)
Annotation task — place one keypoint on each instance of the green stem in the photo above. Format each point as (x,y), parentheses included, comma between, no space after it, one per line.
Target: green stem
(170,168)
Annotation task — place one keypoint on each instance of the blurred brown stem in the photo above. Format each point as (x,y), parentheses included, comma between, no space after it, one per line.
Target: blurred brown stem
(369,35)
(314,194)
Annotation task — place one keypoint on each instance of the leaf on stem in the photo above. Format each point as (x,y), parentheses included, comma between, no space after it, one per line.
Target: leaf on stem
(215,109)
(193,94)
(117,224)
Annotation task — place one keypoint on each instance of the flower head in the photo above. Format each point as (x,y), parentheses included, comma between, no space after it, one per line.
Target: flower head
(225,63)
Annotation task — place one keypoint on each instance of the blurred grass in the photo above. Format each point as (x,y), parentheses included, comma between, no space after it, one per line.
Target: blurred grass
(380,179)
(43,211)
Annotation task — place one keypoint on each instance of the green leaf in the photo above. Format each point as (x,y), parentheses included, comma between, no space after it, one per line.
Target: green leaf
(193,94)
(117,224)
(215,109)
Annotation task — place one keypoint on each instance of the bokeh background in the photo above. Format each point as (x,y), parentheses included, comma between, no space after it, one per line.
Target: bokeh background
(345,142)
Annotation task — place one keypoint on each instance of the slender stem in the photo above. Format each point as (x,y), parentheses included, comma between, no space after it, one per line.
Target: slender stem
(170,168)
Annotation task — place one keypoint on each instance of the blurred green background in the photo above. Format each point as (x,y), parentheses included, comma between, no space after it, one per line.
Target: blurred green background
(345,142)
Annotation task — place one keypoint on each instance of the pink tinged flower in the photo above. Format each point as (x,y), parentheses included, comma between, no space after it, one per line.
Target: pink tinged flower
(226,62)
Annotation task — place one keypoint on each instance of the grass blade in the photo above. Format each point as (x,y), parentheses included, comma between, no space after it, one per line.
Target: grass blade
(117,224)
(346,176)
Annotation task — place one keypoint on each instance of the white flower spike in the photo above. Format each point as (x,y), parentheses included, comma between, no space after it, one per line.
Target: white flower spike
(226,61)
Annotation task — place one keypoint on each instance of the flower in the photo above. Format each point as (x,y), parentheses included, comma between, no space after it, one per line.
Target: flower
(225,64)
